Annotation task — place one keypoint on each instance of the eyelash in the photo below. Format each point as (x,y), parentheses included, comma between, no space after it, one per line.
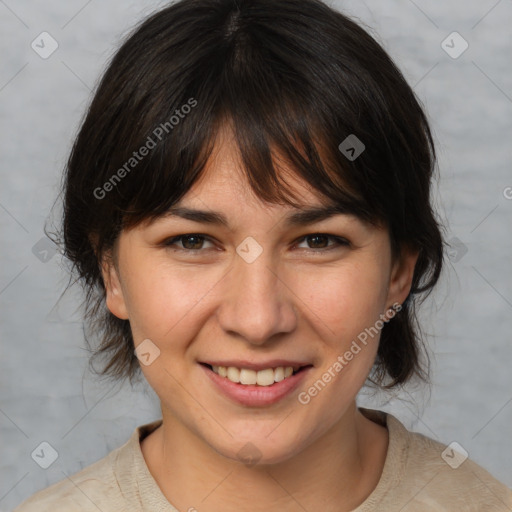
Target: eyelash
(340,242)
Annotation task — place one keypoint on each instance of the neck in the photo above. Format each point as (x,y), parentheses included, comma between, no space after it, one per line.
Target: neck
(337,471)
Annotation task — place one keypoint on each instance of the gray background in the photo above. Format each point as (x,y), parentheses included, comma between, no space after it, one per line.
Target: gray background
(47,393)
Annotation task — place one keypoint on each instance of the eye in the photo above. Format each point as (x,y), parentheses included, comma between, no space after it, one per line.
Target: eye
(321,239)
(194,242)
(191,242)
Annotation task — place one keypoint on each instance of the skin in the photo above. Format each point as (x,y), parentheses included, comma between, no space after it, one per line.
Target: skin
(295,301)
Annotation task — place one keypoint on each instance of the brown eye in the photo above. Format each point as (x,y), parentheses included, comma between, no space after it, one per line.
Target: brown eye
(189,242)
(320,241)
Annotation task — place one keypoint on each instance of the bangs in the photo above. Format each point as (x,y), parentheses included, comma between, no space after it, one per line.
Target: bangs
(259,86)
(269,151)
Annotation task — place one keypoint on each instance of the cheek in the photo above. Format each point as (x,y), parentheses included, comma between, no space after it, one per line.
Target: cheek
(345,300)
(339,302)
(165,303)
(169,307)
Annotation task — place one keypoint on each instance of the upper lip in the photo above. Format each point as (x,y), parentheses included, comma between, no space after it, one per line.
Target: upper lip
(256,366)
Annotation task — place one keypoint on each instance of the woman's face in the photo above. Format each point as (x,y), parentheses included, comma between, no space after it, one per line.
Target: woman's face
(256,294)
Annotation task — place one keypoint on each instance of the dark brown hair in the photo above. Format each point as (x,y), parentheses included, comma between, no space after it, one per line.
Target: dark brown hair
(293,77)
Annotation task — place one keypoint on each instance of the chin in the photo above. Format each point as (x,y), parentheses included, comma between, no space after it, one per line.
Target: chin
(258,450)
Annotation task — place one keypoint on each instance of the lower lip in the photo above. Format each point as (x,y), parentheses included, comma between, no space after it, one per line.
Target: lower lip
(253,395)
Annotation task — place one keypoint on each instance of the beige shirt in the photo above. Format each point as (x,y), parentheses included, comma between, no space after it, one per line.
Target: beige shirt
(415,478)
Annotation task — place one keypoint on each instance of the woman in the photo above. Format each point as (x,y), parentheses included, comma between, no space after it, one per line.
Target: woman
(247,204)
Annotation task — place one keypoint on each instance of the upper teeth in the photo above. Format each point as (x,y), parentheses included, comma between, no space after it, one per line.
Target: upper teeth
(265,377)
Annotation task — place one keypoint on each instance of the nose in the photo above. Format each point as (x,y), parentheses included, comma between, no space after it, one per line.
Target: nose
(256,303)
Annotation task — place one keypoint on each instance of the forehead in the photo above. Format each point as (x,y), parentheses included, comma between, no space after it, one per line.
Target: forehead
(223,197)
(224,182)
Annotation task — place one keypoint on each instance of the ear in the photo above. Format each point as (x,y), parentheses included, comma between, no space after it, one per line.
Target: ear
(114,293)
(402,273)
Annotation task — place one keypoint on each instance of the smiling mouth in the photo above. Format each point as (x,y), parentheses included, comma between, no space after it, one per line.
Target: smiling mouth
(248,377)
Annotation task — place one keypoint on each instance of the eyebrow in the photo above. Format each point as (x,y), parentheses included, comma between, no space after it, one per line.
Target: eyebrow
(302,217)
